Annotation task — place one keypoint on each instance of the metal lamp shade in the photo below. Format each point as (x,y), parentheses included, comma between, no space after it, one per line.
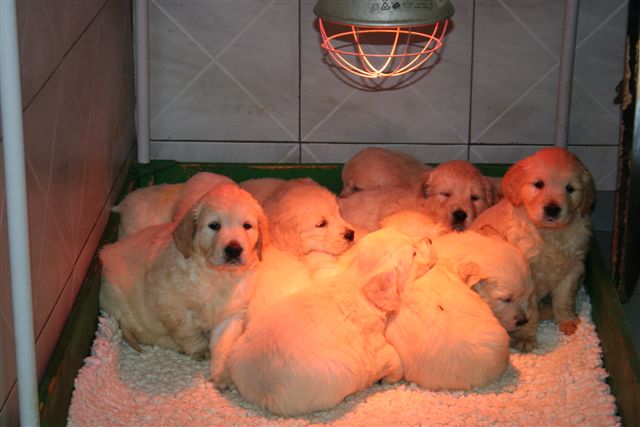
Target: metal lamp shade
(383,13)
(380,38)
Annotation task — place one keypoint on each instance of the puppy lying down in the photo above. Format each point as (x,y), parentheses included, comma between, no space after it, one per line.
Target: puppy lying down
(376,167)
(164,203)
(304,218)
(492,268)
(186,286)
(312,348)
(453,194)
(446,336)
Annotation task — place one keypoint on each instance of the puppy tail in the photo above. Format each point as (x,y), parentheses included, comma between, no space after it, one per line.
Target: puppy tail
(130,338)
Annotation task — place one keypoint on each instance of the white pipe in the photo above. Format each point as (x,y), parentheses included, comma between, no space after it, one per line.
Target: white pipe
(141,13)
(565,80)
(17,214)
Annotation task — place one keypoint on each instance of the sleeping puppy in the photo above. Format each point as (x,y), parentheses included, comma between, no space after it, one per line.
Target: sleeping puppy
(186,286)
(446,336)
(453,194)
(545,213)
(164,203)
(304,218)
(313,348)
(414,224)
(494,269)
(376,167)
(145,207)
(262,189)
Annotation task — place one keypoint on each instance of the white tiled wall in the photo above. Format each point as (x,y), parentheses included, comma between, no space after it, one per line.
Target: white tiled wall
(77,89)
(247,81)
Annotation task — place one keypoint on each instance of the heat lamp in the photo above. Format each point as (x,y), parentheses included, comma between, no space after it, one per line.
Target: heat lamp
(378,38)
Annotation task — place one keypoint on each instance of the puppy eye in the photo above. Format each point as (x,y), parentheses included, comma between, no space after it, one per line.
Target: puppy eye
(570,188)
(506,299)
(445,194)
(321,223)
(475,198)
(539,184)
(214,226)
(247,226)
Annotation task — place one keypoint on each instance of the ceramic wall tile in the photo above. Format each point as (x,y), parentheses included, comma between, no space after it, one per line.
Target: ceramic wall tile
(514,76)
(598,68)
(69,18)
(206,151)
(39,50)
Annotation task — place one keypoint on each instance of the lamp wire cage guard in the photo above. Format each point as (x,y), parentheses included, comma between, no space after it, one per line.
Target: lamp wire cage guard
(353,47)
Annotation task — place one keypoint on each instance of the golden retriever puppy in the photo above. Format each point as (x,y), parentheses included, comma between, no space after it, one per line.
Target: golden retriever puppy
(160,204)
(545,213)
(446,336)
(186,285)
(453,194)
(304,217)
(145,207)
(414,224)
(280,274)
(311,349)
(376,167)
(262,189)
(492,268)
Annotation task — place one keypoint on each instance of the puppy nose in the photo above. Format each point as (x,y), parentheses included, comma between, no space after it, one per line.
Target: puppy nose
(233,250)
(521,321)
(459,215)
(349,234)
(552,210)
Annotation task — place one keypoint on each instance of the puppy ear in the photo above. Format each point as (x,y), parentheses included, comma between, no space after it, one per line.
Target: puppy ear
(263,235)
(512,182)
(425,181)
(184,233)
(478,287)
(470,273)
(382,291)
(489,231)
(284,232)
(491,191)
(589,190)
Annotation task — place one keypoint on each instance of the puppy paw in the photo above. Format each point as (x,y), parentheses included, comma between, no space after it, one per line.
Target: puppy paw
(525,345)
(201,355)
(221,383)
(569,327)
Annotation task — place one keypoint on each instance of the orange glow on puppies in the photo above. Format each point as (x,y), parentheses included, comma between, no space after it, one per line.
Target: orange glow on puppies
(545,214)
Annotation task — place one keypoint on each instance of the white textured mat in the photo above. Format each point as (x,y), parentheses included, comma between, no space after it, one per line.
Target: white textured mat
(561,384)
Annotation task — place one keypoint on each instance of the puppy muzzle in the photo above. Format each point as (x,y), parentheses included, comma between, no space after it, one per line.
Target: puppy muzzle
(233,253)
(458,219)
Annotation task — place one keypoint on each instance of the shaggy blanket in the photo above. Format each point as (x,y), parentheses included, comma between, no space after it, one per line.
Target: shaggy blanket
(561,383)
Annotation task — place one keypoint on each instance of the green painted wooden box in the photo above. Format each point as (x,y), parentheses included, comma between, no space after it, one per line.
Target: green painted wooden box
(620,358)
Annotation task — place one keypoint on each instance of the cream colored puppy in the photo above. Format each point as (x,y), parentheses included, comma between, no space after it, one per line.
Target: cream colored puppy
(446,336)
(145,207)
(414,224)
(545,213)
(492,268)
(280,274)
(186,286)
(304,217)
(262,189)
(453,194)
(313,348)
(376,167)
(160,204)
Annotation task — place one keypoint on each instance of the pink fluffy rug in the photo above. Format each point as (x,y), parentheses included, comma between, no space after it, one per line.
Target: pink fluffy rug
(562,383)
